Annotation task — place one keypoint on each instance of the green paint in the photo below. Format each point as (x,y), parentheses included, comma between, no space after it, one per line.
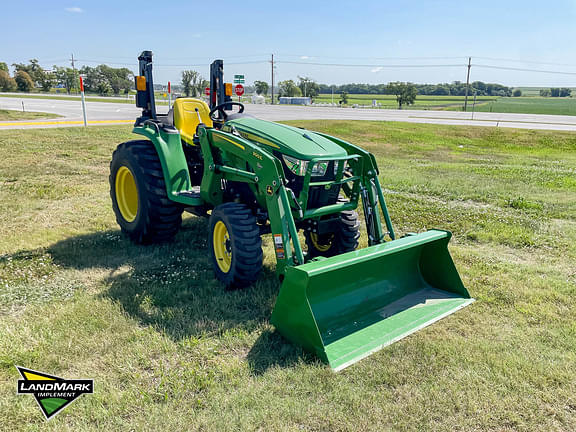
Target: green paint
(341,308)
(345,307)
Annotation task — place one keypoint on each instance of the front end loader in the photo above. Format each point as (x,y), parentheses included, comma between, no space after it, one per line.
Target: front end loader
(251,178)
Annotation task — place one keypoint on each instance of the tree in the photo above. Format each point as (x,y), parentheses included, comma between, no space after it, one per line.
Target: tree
(67,77)
(103,88)
(4,67)
(405,93)
(46,79)
(517,93)
(288,88)
(308,87)
(118,79)
(565,92)
(545,92)
(343,98)
(554,92)
(33,69)
(7,83)
(193,83)
(261,87)
(92,78)
(23,81)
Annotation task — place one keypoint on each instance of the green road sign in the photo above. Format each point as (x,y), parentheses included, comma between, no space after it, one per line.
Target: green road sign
(239,79)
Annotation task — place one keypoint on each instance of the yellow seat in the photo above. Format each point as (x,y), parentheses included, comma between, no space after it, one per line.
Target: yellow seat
(186,117)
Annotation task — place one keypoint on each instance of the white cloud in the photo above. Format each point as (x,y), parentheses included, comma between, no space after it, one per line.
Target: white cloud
(74,9)
(304,57)
(377,69)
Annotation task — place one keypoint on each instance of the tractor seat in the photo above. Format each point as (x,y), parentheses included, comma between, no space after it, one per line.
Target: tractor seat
(186,117)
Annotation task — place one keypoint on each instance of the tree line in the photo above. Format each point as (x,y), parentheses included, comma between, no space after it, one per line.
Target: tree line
(456,88)
(101,79)
(556,92)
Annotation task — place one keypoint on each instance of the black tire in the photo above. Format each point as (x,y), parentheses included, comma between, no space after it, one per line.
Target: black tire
(244,245)
(343,239)
(157,219)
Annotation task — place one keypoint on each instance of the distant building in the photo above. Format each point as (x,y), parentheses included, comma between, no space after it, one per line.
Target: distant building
(295,100)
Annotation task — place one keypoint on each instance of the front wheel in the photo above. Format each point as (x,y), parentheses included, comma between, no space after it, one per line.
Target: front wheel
(235,245)
(344,238)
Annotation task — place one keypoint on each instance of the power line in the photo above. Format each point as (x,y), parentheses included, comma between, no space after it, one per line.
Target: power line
(523,70)
(526,61)
(373,65)
(304,56)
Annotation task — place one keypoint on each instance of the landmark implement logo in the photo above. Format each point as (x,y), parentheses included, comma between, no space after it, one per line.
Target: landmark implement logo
(52,393)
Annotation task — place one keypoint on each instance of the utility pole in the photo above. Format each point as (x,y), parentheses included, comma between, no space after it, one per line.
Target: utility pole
(467,83)
(272,79)
(73,69)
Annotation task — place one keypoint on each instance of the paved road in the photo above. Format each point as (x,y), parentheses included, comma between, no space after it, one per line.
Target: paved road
(113,113)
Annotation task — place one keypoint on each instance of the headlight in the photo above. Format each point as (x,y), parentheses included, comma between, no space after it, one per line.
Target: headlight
(299,167)
(320,169)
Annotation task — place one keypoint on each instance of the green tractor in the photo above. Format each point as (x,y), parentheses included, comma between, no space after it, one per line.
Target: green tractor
(251,178)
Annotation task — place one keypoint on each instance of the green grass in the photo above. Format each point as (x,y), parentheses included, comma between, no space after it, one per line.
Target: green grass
(389,101)
(159,101)
(530,105)
(170,349)
(535,91)
(28,115)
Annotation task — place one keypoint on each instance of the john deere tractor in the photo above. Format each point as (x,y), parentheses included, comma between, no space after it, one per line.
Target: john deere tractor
(252,178)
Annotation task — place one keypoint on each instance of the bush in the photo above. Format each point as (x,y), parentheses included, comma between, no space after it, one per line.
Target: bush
(517,93)
(7,83)
(545,92)
(23,81)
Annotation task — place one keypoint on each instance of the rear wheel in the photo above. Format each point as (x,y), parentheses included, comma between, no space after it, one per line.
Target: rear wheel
(343,239)
(138,191)
(235,245)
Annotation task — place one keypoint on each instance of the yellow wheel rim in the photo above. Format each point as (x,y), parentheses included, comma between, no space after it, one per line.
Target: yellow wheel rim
(126,194)
(315,238)
(222,246)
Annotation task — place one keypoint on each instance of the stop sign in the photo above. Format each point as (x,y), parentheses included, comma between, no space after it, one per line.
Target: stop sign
(207,91)
(239,90)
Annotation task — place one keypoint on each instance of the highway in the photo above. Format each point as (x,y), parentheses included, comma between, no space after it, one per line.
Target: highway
(99,113)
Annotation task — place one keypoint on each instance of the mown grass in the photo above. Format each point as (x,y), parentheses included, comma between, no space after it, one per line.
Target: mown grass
(530,105)
(159,100)
(28,115)
(169,349)
(389,101)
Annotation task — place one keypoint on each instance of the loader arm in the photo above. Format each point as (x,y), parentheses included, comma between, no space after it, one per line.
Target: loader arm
(265,174)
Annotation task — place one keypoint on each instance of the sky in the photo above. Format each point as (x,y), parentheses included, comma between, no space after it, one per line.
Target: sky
(332,42)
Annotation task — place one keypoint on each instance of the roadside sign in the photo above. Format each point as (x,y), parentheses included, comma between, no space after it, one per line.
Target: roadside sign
(207,91)
(239,79)
(239,90)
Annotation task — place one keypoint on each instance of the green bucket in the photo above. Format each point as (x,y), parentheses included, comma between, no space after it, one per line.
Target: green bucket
(346,307)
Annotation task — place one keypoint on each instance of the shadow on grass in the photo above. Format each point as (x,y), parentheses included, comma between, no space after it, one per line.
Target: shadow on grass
(172,288)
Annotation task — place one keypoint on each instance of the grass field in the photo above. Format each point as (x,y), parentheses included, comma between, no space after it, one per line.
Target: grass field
(389,101)
(53,96)
(530,105)
(29,115)
(170,349)
(535,91)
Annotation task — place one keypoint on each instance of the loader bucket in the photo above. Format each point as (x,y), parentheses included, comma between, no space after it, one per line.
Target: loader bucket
(346,307)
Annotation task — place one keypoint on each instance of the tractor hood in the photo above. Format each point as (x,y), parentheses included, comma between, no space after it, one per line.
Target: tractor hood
(298,143)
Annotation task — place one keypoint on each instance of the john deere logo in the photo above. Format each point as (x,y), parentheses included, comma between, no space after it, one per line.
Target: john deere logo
(52,393)
(269,190)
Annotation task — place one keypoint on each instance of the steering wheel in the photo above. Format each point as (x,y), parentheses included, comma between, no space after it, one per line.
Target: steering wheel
(222,116)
